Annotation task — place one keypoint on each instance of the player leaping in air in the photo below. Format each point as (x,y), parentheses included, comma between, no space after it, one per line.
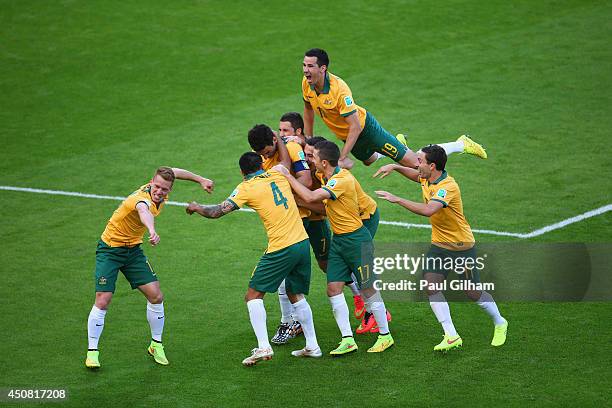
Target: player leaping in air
(331,98)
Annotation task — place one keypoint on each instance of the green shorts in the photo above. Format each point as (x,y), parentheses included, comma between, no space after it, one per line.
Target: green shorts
(131,261)
(319,236)
(374,138)
(372,223)
(291,264)
(442,261)
(351,253)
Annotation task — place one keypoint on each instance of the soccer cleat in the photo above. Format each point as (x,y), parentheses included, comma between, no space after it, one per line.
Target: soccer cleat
(449,342)
(156,350)
(347,345)
(499,335)
(374,328)
(382,343)
(307,353)
(359,307)
(366,324)
(402,139)
(282,334)
(471,147)
(295,329)
(92,360)
(258,354)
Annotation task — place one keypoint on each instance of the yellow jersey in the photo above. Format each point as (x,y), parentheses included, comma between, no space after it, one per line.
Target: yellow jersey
(342,207)
(298,163)
(270,195)
(333,104)
(367,205)
(124,227)
(449,228)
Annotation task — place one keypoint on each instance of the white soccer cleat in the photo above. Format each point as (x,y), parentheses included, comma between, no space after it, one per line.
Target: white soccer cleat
(258,354)
(308,353)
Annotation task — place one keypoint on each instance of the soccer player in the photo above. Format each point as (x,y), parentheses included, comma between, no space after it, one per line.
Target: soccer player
(351,248)
(331,98)
(291,126)
(119,250)
(370,216)
(287,256)
(273,151)
(451,237)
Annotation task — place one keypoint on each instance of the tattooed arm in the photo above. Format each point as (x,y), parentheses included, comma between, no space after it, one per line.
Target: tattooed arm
(211,211)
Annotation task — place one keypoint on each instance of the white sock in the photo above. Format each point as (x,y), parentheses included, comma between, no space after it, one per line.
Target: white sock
(442,311)
(257,314)
(380,314)
(95,325)
(378,156)
(156,318)
(353,285)
(285,304)
(341,313)
(303,313)
(487,304)
(452,147)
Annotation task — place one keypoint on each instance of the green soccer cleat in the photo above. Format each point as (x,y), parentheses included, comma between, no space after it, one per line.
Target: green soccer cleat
(347,345)
(156,350)
(471,147)
(402,139)
(382,343)
(92,360)
(499,335)
(449,343)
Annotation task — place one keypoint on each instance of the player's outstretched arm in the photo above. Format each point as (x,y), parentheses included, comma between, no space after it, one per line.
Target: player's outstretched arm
(148,221)
(407,172)
(211,211)
(181,174)
(308,120)
(426,210)
(354,130)
(304,192)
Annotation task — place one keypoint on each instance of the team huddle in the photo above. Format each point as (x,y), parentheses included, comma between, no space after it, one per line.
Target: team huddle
(301,187)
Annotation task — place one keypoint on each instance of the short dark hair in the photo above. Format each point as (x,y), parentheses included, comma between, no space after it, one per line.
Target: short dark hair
(322,58)
(295,118)
(436,155)
(328,151)
(312,141)
(250,162)
(260,136)
(166,173)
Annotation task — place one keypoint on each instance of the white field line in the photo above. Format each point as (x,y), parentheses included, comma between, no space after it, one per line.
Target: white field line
(535,233)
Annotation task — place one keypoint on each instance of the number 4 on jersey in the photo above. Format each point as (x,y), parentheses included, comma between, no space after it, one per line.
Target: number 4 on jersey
(279,198)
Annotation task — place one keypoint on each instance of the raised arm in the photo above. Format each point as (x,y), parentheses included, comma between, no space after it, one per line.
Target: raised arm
(283,153)
(148,221)
(407,172)
(181,174)
(211,211)
(426,210)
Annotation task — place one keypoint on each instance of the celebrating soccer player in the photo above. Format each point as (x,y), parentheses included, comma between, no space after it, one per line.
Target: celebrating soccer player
(119,250)
(331,98)
(287,257)
(451,238)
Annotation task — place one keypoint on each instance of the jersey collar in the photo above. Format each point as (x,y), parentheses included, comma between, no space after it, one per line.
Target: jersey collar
(442,177)
(325,85)
(257,173)
(336,171)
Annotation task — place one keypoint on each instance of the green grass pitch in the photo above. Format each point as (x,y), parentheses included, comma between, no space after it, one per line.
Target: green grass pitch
(95,95)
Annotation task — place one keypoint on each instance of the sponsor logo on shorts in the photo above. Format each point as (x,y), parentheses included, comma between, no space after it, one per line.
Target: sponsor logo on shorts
(102,281)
